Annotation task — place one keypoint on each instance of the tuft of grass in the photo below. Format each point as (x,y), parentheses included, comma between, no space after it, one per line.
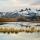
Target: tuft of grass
(15,30)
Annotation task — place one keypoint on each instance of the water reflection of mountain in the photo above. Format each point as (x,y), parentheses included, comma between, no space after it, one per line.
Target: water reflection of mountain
(1,23)
(19,24)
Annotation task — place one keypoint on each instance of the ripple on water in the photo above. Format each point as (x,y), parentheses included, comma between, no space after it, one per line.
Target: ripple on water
(20,36)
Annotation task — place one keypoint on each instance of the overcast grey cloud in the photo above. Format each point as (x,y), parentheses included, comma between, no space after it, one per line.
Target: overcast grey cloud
(4,4)
(36,2)
(24,1)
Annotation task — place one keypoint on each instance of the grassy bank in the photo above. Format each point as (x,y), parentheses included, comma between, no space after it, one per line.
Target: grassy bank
(16,30)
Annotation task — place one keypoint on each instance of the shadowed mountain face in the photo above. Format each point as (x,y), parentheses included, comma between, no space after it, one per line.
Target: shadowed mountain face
(10,15)
(22,15)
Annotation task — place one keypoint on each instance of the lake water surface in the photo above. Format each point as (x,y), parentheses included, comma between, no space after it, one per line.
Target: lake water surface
(19,36)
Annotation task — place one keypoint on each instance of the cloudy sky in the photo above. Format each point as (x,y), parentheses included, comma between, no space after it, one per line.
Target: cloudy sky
(10,4)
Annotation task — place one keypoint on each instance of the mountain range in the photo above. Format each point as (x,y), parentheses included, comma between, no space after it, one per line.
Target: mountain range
(22,15)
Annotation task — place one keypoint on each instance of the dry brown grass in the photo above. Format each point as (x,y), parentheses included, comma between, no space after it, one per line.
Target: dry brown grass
(8,20)
(18,19)
(15,30)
